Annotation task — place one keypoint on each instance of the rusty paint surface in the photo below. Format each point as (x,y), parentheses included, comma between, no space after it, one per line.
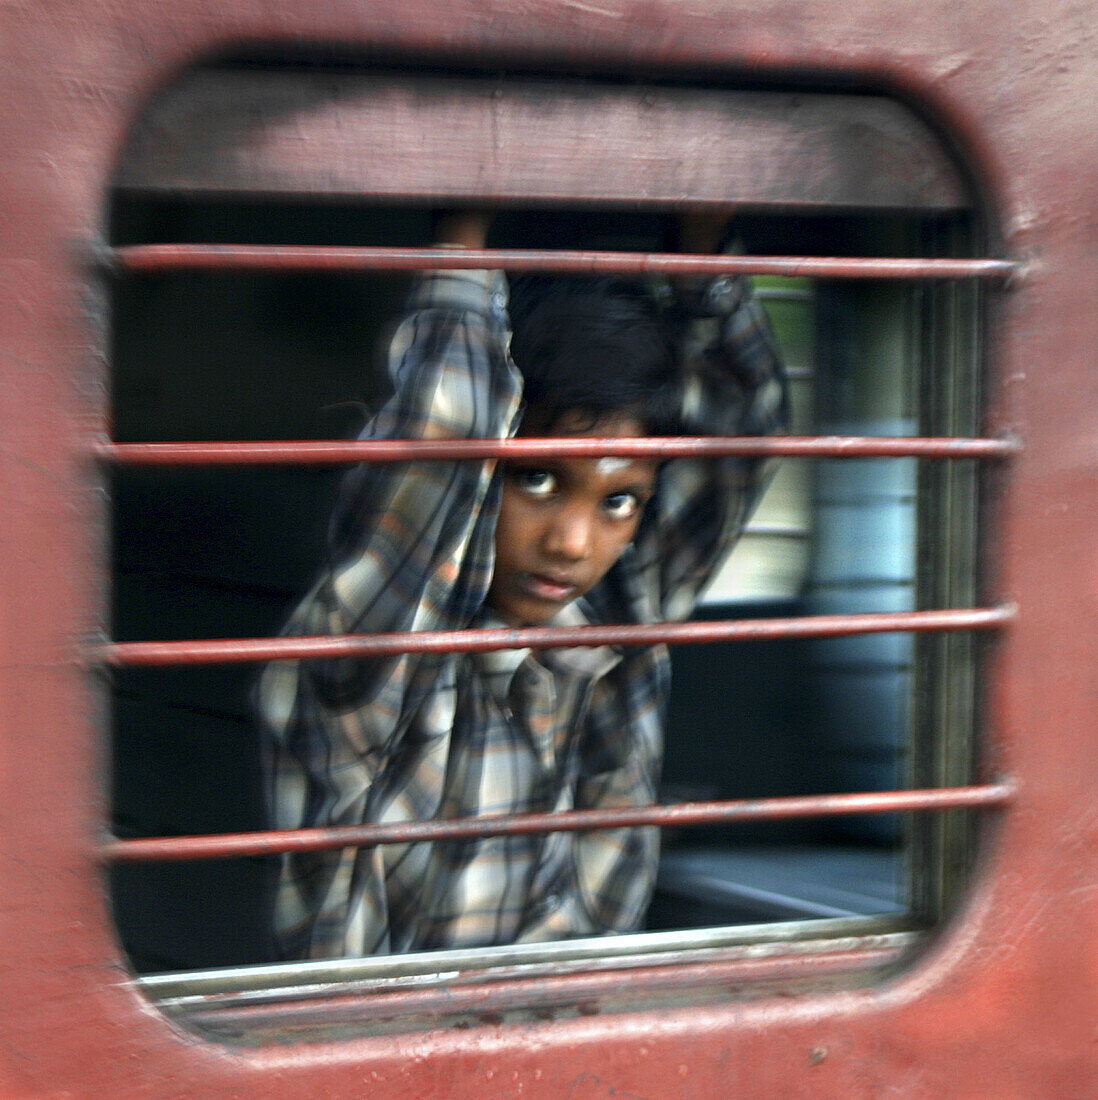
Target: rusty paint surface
(1003,1004)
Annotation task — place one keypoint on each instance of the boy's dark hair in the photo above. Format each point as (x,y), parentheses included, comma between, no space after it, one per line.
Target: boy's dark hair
(594,346)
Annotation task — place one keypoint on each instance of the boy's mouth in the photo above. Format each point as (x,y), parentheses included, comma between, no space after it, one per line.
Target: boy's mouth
(551,589)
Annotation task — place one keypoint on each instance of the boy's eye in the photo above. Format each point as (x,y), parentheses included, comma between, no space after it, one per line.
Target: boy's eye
(621,505)
(536,483)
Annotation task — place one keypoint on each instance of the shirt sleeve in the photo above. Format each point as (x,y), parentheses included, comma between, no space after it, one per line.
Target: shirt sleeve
(411,548)
(411,543)
(734,383)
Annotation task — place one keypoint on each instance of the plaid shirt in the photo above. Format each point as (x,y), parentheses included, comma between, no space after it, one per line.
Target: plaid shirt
(450,736)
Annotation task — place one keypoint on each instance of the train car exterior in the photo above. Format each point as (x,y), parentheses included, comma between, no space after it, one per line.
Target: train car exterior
(1000,997)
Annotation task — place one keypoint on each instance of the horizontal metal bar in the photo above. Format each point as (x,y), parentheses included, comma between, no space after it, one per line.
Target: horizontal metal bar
(148,258)
(547,991)
(336,452)
(330,647)
(225,845)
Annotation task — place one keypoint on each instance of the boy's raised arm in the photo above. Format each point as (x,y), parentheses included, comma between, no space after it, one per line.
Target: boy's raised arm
(734,384)
(410,549)
(410,544)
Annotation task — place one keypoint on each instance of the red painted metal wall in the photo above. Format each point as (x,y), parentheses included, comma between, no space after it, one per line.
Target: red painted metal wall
(1005,1003)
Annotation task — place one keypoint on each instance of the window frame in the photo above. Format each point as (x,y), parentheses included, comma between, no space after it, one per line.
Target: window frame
(138,257)
(75,1025)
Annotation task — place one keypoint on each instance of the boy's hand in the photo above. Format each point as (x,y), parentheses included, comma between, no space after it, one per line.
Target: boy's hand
(464,228)
(703,231)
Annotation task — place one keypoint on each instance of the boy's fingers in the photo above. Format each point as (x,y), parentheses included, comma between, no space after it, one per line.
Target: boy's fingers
(703,230)
(468,228)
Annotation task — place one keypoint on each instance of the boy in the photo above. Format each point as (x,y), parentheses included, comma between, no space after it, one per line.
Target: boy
(427,546)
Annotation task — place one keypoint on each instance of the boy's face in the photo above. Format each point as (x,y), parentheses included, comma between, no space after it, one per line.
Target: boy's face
(564,522)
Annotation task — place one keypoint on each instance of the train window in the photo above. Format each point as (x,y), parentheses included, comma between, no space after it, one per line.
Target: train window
(344,166)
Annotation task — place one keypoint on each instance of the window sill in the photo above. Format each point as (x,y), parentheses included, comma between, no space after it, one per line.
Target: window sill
(327,1000)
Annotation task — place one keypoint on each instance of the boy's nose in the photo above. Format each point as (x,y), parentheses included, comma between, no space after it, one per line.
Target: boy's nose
(570,534)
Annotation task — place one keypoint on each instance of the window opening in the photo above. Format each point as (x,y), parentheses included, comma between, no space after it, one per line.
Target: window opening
(194,558)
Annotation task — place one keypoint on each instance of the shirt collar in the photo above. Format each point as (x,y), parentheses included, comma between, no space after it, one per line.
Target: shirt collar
(586,662)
